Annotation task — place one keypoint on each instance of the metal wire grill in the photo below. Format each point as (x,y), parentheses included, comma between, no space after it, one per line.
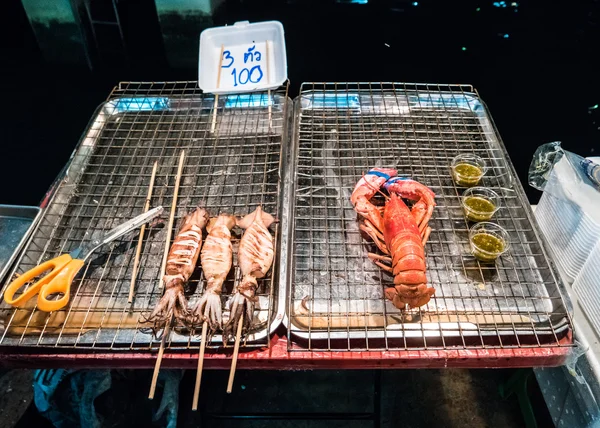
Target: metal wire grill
(232,169)
(336,300)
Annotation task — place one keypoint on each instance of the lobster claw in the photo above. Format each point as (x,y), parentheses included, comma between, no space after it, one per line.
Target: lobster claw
(422,195)
(365,189)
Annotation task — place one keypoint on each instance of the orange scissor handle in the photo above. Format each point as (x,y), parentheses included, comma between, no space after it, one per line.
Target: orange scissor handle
(56,279)
(60,284)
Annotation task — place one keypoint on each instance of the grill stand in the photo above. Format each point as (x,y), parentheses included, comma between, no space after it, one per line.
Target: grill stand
(279,358)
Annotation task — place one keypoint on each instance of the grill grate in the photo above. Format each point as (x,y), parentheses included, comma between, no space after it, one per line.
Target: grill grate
(233,170)
(336,300)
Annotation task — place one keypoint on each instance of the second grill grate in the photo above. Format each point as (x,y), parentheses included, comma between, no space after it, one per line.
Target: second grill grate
(336,298)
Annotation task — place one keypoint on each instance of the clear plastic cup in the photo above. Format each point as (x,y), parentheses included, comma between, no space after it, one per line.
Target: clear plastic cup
(467,169)
(488,241)
(480,203)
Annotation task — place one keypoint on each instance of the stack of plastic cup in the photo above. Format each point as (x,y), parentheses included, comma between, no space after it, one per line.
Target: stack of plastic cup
(571,232)
(587,287)
(569,216)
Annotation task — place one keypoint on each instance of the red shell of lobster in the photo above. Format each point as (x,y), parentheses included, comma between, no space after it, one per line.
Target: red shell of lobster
(399,232)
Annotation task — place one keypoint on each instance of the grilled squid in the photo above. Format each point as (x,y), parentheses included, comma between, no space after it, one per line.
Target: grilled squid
(216,258)
(255,257)
(181,263)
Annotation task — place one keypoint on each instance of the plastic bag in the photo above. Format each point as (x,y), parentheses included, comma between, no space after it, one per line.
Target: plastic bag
(548,155)
(567,176)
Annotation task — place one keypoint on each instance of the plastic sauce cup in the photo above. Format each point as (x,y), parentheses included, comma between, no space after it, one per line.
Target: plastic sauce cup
(467,169)
(480,203)
(488,241)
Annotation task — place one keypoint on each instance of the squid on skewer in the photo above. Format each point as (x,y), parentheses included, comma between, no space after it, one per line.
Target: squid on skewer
(255,257)
(181,263)
(216,258)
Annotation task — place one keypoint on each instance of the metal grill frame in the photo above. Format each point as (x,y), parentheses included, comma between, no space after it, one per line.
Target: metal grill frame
(414,334)
(183,118)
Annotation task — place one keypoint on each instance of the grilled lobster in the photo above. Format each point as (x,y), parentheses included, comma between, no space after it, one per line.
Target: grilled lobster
(216,258)
(399,232)
(255,257)
(181,262)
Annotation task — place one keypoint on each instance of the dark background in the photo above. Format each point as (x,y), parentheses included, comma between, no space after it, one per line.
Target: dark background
(531,61)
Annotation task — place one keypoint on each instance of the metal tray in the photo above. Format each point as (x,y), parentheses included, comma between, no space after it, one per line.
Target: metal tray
(336,297)
(233,169)
(16,224)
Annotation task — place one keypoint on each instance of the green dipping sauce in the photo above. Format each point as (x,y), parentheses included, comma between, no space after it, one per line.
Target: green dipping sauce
(487,247)
(478,208)
(467,175)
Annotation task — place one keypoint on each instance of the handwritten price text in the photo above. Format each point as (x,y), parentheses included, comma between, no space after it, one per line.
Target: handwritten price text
(251,71)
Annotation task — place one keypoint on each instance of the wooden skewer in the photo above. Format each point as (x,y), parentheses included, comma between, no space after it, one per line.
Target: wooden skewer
(200,366)
(167,330)
(270,109)
(138,251)
(267,61)
(220,66)
(172,217)
(159,358)
(214,118)
(268,80)
(236,350)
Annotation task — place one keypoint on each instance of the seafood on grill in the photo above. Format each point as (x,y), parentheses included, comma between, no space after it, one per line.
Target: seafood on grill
(181,263)
(255,257)
(399,232)
(371,219)
(216,258)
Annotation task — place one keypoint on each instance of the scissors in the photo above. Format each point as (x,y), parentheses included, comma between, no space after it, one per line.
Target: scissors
(62,269)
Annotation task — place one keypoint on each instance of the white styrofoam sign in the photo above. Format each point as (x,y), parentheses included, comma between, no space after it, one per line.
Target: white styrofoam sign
(242,58)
